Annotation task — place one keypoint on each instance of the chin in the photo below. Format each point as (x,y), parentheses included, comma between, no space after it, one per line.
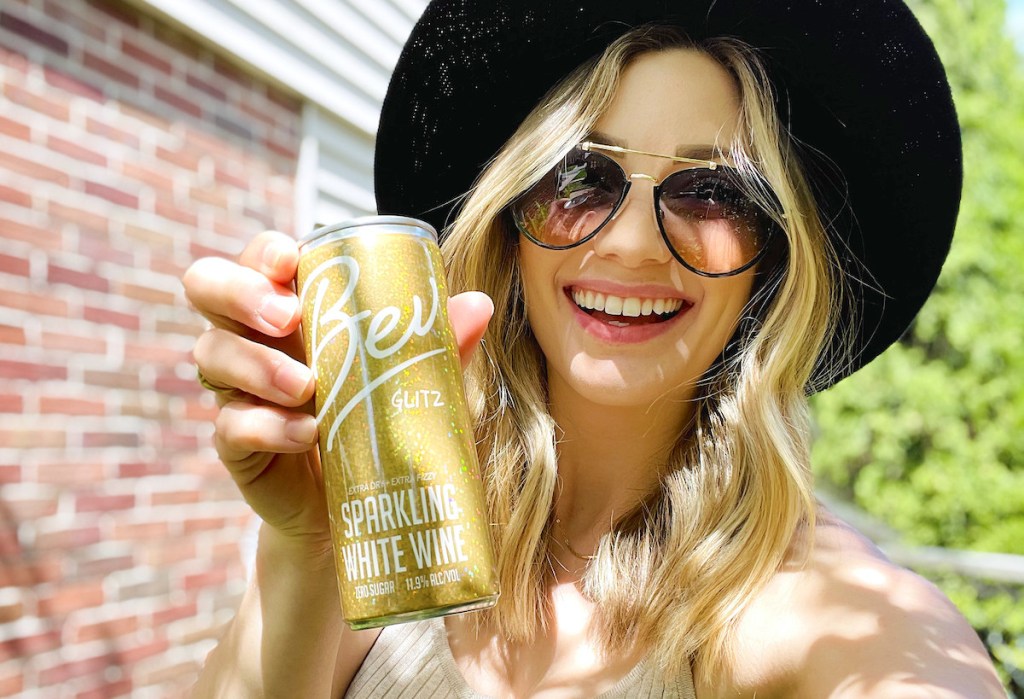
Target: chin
(624,384)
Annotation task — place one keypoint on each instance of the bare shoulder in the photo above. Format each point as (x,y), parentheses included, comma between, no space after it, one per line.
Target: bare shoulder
(841,620)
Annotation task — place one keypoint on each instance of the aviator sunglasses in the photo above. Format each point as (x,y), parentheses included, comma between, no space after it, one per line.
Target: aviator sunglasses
(710,224)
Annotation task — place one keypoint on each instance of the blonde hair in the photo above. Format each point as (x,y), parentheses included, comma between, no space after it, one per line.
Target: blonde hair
(673,576)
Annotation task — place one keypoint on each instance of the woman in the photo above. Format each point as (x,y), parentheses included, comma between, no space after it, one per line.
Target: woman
(640,395)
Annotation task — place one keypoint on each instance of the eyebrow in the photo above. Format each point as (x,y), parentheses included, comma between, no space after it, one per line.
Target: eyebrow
(697,152)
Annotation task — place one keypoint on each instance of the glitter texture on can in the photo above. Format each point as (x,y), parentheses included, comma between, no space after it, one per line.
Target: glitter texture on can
(403,487)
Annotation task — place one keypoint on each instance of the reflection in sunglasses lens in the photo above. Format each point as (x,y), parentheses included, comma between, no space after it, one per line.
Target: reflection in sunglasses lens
(705,214)
(711,223)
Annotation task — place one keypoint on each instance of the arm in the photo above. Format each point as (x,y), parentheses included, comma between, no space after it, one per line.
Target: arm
(888,633)
(842,621)
(288,638)
(286,634)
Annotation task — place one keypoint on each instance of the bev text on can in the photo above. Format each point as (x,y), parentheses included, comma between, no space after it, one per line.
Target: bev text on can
(404,494)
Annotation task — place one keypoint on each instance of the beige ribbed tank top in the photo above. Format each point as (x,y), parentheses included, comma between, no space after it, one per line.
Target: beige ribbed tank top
(414,660)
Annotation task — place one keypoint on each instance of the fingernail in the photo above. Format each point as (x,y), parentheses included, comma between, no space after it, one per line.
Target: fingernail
(278,310)
(293,378)
(271,256)
(301,430)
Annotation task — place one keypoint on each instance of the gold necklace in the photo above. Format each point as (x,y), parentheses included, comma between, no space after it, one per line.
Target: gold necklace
(565,542)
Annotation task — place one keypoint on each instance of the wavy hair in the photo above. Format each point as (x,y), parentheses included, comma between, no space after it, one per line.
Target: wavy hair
(673,576)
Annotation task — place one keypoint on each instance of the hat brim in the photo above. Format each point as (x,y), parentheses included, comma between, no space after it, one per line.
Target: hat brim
(858,84)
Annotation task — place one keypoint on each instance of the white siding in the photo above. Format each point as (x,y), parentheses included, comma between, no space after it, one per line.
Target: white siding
(337,55)
(335,171)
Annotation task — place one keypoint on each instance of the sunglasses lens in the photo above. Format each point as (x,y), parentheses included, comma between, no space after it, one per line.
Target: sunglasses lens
(570,202)
(710,221)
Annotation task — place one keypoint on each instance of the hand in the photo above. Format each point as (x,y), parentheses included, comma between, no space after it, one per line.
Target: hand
(265,432)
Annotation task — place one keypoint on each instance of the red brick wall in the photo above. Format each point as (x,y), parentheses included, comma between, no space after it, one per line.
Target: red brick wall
(127,150)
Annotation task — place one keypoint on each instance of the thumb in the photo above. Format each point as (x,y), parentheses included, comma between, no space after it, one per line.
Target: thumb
(469,313)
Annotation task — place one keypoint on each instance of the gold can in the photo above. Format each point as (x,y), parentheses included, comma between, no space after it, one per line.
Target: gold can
(404,494)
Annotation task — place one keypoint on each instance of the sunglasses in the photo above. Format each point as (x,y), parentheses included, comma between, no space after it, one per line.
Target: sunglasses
(710,224)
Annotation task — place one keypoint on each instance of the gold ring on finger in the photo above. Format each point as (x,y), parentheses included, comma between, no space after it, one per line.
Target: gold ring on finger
(227,392)
(205,382)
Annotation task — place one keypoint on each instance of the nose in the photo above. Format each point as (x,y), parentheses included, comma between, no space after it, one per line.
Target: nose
(632,237)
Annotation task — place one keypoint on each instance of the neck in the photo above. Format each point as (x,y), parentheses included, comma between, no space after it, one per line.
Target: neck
(610,459)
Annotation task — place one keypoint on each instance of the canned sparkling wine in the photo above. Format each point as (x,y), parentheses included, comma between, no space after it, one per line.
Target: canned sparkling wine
(403,485)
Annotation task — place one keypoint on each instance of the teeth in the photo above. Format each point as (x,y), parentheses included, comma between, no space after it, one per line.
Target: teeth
(629,306)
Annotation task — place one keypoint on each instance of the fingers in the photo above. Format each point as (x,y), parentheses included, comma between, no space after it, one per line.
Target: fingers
(233,362)
(273,254)
(231,295)
(243,429)
(469,313)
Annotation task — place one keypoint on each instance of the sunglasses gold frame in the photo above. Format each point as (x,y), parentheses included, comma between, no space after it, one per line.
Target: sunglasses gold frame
(591,146)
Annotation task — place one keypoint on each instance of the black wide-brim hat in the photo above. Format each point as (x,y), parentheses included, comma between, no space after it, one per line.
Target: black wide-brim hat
(858,84)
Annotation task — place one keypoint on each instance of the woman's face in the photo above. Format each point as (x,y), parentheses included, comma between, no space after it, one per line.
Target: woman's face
(670,102)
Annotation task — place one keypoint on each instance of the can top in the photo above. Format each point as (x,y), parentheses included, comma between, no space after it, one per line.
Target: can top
(384,224)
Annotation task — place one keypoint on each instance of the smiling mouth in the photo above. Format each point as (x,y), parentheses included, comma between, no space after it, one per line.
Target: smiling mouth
(626,311)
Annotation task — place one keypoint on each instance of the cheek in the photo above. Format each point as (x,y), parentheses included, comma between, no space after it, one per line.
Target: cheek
(726,302)
(537,269)
(527,276)
(532,290)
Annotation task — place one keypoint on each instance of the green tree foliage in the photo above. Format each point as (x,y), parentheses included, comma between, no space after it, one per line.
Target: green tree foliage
(930,437)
